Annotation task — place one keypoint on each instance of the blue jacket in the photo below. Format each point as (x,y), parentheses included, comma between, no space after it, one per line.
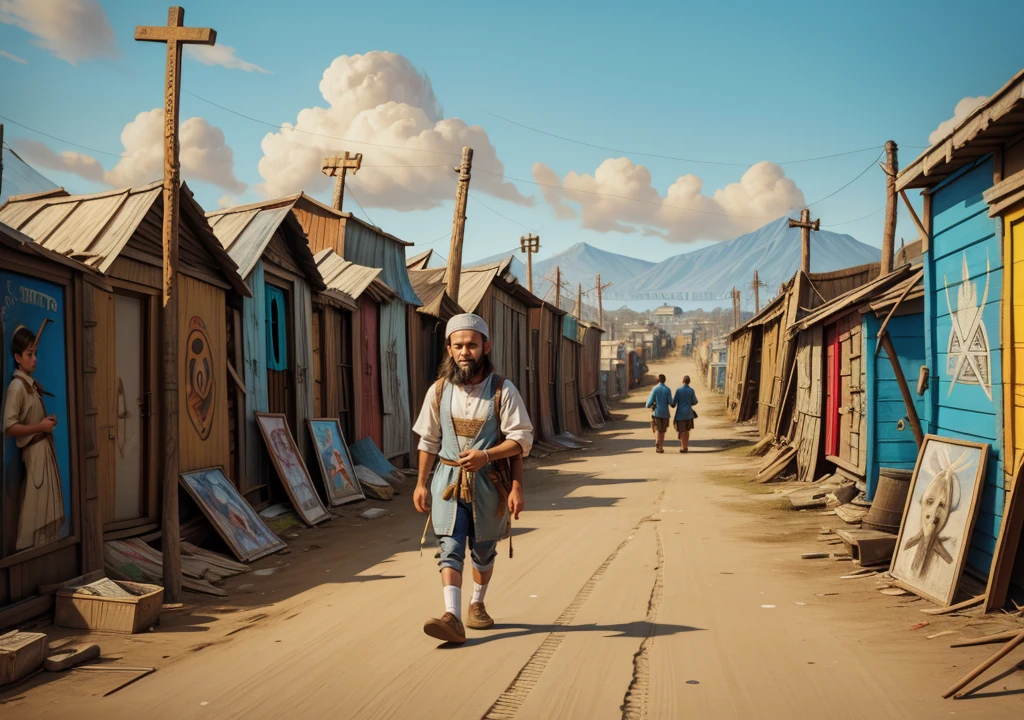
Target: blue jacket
(660,400)
(683,401)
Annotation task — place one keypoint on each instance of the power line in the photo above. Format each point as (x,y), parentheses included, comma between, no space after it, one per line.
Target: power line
(359,205)
(863,217)
(851,182)
(66,142)
(475,199)
(669,157)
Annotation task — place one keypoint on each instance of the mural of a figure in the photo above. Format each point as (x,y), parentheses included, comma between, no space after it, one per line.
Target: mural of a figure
(26,420)
(969,358)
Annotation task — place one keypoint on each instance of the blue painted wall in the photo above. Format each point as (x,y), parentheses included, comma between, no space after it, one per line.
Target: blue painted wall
(962,229)
(887,446)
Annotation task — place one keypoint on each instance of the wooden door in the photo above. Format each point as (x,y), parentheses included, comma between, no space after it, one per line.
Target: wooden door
(129,422)
(832,392)
(371,413)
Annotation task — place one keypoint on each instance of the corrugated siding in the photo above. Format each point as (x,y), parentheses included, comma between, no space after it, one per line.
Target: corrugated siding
(961,229)
(255,360)
(570,390)
(590,362)
(302,313)
(887,446)
(394,364)
(365,247)
(370,423)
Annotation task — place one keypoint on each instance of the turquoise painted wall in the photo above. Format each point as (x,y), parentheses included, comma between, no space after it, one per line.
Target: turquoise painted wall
(962,230)
(888,446)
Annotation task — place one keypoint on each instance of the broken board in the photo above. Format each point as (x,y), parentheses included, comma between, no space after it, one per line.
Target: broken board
(868,547)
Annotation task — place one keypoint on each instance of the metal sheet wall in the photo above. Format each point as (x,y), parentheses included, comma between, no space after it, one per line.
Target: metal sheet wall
(302,313)
(371,414)
(394,364)
(255,361)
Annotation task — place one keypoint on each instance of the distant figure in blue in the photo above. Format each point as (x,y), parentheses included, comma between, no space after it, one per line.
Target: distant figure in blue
(660,401)
(683,401)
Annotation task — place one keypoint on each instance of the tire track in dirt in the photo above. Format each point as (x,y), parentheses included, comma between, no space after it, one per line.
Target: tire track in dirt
(512,698)
(634,703)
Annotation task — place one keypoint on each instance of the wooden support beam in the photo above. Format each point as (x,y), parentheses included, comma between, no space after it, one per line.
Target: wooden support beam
(901,380)
(916,219)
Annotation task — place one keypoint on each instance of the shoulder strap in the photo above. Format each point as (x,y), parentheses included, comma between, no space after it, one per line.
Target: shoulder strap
(438,393)
(500,384)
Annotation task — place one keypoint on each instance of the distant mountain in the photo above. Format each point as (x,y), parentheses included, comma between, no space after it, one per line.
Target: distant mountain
(20,178)
(707,275)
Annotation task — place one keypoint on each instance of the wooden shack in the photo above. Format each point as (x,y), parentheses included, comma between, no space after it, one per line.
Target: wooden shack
(545,396)
(569,383)
(37,286)
(972,225)
(275,330)
(118,233)
(493,292)
(590,373)
(357,355)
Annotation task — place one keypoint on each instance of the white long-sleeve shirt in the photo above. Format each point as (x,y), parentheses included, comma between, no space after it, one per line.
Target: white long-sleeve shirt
(468,403)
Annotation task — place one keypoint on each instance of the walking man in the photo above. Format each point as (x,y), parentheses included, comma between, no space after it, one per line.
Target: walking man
(471,419)
(683,401)
(660,400)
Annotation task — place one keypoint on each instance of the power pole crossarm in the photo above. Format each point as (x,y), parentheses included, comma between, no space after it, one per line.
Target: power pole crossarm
(805,225)
(529,244)
(337,167)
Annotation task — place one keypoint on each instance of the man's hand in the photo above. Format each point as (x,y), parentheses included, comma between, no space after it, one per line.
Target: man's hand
(516,503)
(421,498)
(47,424)
(472,460)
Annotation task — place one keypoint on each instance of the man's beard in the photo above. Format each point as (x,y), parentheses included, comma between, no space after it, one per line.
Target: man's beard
(464,375)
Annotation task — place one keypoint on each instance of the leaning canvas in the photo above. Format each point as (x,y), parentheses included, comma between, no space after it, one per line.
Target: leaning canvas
(290,468)
(942,504)
(336,464)
(234,519)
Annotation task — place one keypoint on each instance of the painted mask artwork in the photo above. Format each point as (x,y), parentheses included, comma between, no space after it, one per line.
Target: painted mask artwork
(969,359)
(940,498)
(199,378)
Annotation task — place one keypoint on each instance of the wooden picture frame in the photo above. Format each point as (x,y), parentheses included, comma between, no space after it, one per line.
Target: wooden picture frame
(341,465)
(290,468)
(209,486)
(927,562)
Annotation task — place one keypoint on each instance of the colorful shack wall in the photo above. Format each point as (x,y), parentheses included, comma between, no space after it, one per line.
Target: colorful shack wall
(963,286)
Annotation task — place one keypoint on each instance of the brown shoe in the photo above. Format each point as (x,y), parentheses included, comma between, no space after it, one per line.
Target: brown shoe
(478,618)
(447,628)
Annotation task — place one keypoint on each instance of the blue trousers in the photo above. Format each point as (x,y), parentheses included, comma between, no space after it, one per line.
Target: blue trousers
(453,547)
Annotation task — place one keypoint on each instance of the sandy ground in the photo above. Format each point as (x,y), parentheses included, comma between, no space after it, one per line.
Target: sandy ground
(643,586)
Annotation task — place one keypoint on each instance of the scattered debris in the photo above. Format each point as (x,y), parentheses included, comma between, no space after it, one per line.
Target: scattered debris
(275,511)
(814,555)
(67,658)
(374,486)
(940,634)
(21,654)
(373,513)
(957,689)
(894,591)
(266,571)
(954,608)
(986,639)
(918,626)
(858,575)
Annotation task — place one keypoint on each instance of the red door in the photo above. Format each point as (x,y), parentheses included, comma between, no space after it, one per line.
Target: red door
(832,368)
(371,415)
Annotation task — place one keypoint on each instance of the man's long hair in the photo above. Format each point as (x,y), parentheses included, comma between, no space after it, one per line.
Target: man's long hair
(451,372)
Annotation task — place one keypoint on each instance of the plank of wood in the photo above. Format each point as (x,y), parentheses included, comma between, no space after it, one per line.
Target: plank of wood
(986,639)
(953,608)
(957,688)
(25,610)
(80,580)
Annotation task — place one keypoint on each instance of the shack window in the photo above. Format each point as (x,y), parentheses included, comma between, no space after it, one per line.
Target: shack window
(277,330)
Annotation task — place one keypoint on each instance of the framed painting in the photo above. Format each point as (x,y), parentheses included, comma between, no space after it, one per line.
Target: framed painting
(290,468)
(336,464)
(939,516)
(234,519)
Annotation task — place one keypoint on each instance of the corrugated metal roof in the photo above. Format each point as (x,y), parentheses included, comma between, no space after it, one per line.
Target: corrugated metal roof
(353,280)
(246,232)
(429,286)
(371,247)
(419,262)
(23,243)
(96,228)
(850,300)
(474,284)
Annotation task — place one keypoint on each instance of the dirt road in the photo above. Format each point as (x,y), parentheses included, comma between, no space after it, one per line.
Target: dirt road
(643,586)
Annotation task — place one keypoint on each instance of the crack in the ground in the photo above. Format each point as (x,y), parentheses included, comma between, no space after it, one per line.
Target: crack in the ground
(635,702)
(513,697)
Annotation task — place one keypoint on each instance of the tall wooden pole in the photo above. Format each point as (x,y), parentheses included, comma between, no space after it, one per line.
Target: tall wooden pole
(454,273)
(600,302)
(891,167)
(529,244)
(805,225)
(175,35)
(757,285)
(1,158)
(558,287)
(579,301)
(336,167)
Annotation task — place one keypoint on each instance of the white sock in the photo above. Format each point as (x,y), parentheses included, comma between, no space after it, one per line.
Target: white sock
(478,593)
(453,600)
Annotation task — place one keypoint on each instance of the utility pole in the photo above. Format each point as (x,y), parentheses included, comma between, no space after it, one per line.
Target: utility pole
(757,292)
(336,167)
(1,158)
(454,273)
(529,244)
(579,301)
(600,305)
(558,287)
(805,224)
(735,308)
(175,35)
(890,168)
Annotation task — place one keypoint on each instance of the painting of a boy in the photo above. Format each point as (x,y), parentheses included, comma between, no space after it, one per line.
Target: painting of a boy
(25,419)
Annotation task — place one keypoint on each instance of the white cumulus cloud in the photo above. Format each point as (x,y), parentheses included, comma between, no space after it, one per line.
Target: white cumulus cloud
(42,155)
(223,55)
(963,108)
(387,110)
(620,197)
(203,153)
(72,30)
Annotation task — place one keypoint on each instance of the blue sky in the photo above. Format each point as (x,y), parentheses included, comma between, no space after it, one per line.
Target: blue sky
(735,83)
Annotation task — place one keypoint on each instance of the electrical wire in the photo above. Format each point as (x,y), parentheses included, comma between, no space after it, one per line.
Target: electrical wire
(847,222)
(851,182)
(481,202)
(360,205)
(66,142)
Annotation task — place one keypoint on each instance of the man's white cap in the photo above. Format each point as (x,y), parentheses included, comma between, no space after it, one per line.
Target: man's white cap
(467,321)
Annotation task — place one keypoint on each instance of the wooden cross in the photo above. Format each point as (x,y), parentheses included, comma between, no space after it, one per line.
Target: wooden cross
(529,244)
(336,167)
(805,224)
(175,35)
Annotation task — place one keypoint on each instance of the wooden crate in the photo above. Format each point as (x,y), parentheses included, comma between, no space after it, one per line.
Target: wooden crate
(106,614)
(21,653)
